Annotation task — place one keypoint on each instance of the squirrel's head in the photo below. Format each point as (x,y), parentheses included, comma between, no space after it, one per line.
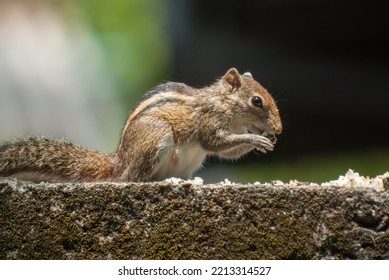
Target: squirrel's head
(255,107)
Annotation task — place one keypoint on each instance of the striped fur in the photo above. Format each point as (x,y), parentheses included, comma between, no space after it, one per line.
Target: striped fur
(40,158)
(170,132)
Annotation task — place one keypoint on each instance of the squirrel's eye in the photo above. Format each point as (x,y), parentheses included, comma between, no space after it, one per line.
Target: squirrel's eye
(257,101)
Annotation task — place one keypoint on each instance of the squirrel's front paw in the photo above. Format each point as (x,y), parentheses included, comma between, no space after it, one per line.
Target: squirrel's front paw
(265,144)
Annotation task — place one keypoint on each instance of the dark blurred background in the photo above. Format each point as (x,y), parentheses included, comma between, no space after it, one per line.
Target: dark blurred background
(75,68)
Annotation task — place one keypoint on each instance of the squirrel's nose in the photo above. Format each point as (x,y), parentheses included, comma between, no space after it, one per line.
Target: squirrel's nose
(278,129)
(275,122)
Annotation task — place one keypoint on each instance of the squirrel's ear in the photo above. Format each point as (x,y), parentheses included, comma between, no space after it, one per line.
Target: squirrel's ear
(232,79)
(248,75)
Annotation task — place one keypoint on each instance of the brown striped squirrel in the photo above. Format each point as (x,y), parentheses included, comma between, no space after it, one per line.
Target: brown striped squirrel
(169,133)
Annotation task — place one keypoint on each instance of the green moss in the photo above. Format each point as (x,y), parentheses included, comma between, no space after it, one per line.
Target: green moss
(151,221)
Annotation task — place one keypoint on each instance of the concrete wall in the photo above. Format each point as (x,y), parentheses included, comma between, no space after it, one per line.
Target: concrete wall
(191,221)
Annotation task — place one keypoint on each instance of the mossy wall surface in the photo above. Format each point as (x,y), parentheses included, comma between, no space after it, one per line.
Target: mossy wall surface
(185,221)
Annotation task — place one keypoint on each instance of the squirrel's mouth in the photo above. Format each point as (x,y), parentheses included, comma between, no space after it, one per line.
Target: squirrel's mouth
(253,129)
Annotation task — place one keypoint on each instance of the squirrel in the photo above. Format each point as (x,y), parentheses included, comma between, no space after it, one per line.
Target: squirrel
(169,133)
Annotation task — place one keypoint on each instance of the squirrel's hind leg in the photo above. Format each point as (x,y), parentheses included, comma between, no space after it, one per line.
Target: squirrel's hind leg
(146,156)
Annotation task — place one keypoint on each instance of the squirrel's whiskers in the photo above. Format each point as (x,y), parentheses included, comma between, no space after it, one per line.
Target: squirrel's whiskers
(169,133)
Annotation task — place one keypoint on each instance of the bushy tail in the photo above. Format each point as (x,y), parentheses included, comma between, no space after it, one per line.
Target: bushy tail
(42,159)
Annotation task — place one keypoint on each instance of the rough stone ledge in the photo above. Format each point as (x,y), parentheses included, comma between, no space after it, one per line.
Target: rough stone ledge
(185,220)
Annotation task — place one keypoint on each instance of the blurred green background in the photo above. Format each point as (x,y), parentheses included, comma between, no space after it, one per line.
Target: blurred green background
(75,69)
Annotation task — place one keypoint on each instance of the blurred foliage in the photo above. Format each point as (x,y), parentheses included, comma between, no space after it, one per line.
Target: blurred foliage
(134,38)
(318,167)
(135,41)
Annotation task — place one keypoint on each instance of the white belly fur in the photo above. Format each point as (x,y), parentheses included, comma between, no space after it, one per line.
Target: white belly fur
(181,161)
